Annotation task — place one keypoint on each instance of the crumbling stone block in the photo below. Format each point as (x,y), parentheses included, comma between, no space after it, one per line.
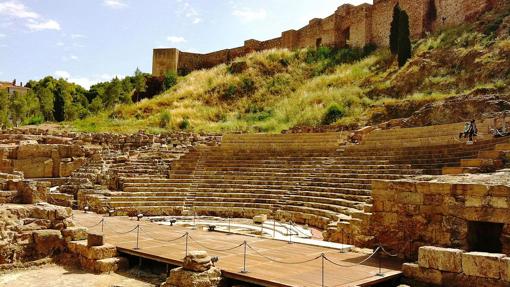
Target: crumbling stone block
(95,239)
(48,242)
(482,264)
(430,276)
(75,233)
(443,259)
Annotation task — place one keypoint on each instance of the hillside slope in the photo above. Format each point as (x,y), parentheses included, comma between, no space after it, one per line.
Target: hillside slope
(277,90)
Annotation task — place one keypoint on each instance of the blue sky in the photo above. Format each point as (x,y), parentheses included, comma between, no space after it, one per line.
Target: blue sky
(87,41)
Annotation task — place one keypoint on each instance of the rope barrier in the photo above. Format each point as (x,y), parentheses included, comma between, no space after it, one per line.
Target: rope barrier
(353,265)
(100,221)
(282,262)
(386,252)
(213,249)
(163,240)
(122,233)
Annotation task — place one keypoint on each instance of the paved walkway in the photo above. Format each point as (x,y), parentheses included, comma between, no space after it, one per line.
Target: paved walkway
(268,262)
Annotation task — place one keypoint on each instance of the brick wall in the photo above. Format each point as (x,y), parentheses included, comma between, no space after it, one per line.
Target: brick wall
(353,25)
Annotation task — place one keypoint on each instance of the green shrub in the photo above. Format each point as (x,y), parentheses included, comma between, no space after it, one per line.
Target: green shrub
(333,114)
(170,80)
(164,119)
(35,120)
(230,93)
(184,124)
(247,85)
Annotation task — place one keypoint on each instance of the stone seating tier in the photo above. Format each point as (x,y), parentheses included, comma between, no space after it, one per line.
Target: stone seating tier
(310,178)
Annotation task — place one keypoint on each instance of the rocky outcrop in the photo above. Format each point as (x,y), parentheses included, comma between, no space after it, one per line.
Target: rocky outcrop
(197,271)
(457,109)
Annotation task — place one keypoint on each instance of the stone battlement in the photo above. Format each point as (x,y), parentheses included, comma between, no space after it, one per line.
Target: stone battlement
(350,25)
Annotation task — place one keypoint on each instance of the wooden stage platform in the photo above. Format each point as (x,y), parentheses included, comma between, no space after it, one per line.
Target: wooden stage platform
(268,262)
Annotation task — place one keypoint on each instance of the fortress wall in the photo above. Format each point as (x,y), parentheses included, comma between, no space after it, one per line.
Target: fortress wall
(361,26)
(190,61)
(271,44)
(382,15)
(353,25)
(237,52)
(164,60)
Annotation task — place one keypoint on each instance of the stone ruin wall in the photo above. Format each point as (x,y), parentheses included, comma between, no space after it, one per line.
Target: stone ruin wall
(407,215)
(351,25)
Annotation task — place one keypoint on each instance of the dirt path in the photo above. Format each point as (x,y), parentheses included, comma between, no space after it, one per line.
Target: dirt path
(53,276)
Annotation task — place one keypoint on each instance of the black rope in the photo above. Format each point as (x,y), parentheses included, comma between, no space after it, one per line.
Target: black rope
(282,262)
(122,233)
(213,249)
(353,265)
(386,252)
(100,221)
(162,240)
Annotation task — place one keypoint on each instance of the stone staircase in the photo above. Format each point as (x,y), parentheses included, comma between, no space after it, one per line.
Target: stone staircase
(312,179)
(486,161)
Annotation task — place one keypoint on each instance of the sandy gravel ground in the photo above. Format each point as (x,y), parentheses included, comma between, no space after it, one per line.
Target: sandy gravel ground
(57,276)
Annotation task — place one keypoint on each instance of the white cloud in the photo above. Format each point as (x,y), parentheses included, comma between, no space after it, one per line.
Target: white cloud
(250,15)
(70,58)
(62,74)
(85,82)
(188,11)
(3,35)
(115,4)
(17,10)
(45,25)
(14,9)
(176,40)
(60,44)
(78,36)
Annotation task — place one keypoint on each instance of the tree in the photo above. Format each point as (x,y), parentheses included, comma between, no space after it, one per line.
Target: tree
(59,106)
(394,31)
(96,106)
(112,93)
(46,102)
(18,108)
(140,83)
(404,40)
(4,109)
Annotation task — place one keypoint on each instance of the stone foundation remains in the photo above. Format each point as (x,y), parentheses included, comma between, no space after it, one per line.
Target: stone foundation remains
(454,267)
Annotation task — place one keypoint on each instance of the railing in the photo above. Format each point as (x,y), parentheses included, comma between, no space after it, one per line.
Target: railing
(379,250)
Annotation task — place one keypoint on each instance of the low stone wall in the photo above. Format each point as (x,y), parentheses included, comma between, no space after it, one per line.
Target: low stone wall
(454,267)
(408,214)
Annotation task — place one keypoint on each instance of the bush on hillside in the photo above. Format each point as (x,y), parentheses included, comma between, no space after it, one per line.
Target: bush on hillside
(164,119)
(333,114)
(184,124)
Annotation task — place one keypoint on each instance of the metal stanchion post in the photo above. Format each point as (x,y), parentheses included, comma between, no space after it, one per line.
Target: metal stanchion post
(343,241)
(229,224)
(137,237)
(289,233)
(274,227)
(102,225)
(322,269)
(186,250)
(380,274)
(244,258)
